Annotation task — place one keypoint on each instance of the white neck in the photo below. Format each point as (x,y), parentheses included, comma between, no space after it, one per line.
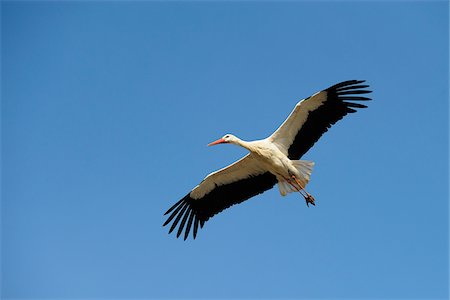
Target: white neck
(242,143)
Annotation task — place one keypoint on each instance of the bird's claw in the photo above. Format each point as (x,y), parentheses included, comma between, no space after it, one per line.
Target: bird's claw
(310,199)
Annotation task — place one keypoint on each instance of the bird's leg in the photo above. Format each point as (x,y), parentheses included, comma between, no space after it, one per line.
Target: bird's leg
(301,190)
(295,187)
(305,194)
(308,197)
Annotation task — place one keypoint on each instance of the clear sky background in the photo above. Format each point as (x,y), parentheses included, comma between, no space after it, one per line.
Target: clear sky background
(107,108)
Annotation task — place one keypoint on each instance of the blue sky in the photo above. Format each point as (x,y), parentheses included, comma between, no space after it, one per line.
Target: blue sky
(107,108)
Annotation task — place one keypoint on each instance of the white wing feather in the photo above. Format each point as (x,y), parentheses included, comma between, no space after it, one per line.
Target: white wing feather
(284,136)
(244,168)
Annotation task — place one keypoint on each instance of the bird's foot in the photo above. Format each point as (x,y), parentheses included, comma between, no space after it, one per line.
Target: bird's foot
(310,199)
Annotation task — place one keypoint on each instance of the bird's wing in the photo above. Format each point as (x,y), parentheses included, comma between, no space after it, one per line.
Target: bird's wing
(218,191)
(313,116)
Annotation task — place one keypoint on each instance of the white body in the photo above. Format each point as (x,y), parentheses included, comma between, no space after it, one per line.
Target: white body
(264,156)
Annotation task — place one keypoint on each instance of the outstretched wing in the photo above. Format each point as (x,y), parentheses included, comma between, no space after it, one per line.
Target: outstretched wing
(312,116)
(218,191)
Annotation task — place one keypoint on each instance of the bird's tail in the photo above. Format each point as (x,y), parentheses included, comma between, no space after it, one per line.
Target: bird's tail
(304,168)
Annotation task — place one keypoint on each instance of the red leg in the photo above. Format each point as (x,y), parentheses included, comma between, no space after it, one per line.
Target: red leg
(309,198)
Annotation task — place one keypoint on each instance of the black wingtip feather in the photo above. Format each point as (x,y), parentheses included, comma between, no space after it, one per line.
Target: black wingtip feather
(196,221)
(173,207)
(353,92)
(183,215)
(180,228)
(188,226)
(345,83)
(175,212)
(355,98)
(174,224)
(349,87)
(357,105)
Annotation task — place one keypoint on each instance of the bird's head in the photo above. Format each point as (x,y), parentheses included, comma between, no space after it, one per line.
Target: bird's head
(227,138)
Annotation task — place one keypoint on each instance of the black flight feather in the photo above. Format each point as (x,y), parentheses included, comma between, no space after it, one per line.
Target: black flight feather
(189,223)
(217,200)
(177,219)
(332,110)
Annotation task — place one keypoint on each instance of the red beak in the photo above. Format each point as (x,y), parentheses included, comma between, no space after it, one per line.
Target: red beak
(219,141)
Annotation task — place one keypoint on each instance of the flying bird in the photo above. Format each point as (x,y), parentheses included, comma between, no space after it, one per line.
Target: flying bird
(273,160)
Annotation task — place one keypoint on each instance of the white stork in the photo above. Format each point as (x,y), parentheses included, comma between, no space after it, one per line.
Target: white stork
(271,160)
